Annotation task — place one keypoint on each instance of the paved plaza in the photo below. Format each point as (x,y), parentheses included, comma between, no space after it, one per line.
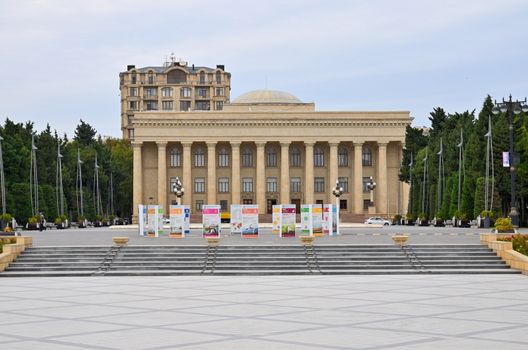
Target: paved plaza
(265,312)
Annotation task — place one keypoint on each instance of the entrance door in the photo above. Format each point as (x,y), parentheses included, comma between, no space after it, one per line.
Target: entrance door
(270,204)
(297,203)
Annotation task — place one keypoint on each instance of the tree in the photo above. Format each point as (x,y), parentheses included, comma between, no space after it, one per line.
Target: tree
(85,134)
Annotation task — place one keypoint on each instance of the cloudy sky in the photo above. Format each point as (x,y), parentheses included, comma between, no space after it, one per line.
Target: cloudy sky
(60,59)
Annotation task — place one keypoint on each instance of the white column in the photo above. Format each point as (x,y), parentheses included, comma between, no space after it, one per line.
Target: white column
(235,172)
(261,178)
(211,173)
(381,188)
(358,178)
(137,180)
(285,173)
(187,175)
(162,175)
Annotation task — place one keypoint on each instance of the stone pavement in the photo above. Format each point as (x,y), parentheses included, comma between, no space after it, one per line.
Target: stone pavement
(266,312)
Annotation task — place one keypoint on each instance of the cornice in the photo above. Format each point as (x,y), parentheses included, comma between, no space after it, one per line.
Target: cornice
(164,123)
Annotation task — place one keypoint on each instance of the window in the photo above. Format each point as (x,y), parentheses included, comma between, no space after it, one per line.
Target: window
(131,134)
(223,205)
(271,157)
(176,76)
(133,91)
(202,77)
(223,184)
(150,78)
(247,184)
(202,105)
(199,157)
(185,105)
(219,105)
(133,78)
(185,92)
(202,92)
(342,204)
(367,156)
(343,182)
(271,184)
(166,92)
(133,105)
(199,185)
(295,157)
(247,157)
(342,157)
(199,205)
(295,184)
(319,184)
(218,77)
(167,105)
(223,158)
(219,91)
(152,105)
(175,158)
(318,156)
(151,92)
(366,180)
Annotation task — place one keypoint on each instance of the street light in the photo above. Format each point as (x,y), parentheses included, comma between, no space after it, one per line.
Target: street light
(371,185)
(337,191)
(177,188)
(511,107)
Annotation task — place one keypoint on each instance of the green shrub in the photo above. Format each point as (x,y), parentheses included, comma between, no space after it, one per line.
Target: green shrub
(487,214)
(422,216)
(503,224)
(58,221)
(6,218)
(32,220)
(460,215)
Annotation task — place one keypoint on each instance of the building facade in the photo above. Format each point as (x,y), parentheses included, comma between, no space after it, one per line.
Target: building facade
(267,147)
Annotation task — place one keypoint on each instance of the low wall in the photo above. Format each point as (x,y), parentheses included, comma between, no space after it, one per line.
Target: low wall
(505,251)
(11,251)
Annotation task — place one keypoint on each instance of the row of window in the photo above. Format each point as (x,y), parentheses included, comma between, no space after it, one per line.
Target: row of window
(169,105)
(271,184)
(271,157)
(224,204)
(178,76)
(168,92)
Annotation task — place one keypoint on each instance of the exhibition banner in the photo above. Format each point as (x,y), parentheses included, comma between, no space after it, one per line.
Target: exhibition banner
(211,221)
(317,219)
(179,220)
(306,219)
(153,221)
(142,220)
(250,221)
(327,219)
(236,218)
(276,218)
(288,220)
(335,220)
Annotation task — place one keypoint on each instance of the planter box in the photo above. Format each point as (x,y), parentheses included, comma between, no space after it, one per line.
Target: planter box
(410,223)
(423,223)
(438,223)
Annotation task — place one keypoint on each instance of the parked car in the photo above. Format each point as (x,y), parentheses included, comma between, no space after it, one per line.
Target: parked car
(377,220)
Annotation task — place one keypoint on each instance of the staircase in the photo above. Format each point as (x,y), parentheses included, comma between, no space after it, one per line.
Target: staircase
(256,260)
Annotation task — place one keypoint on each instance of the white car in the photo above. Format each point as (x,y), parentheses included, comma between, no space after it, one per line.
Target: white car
(377,220)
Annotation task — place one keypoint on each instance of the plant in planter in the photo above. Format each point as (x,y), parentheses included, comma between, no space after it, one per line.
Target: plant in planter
(485,219)
(396,219)
(5,221)
(65,221)
(58,222)
(461,219)
(98,221)
(32,223)
(504,225)
(438,220)
(81,221)
(423,220)
(410,219)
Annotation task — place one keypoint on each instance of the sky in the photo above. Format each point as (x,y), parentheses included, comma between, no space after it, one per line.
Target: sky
(60,59)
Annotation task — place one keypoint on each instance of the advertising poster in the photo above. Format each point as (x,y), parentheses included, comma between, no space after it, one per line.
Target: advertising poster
(142,219)
(335,220)
(159,209)
(152,221)
(250,221)
(327,219)
(306,219)
(276,219)
(288,220)
(236,218)
(179,220)
(317,219)
(506,159)
(211,220)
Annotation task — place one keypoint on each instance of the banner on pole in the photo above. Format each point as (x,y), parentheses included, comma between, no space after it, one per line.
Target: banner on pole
(179,220)
(288,220)
(235,222)
(250,221)
(306,219)
(327,219)
(335,220)
(142,220)
(506,159)
(276,218)
(211,221)
(317,219)
(153,221)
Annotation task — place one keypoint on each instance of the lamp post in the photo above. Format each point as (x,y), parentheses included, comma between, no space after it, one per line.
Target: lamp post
(337,191)
(511,107)
(371,185)
(177,188)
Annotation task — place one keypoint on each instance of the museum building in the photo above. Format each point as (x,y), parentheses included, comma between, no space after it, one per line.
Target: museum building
(265,147)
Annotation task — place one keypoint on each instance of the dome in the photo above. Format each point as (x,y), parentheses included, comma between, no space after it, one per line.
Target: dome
(267,96)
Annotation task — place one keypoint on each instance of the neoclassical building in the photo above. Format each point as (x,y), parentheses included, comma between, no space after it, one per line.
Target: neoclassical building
(266,147)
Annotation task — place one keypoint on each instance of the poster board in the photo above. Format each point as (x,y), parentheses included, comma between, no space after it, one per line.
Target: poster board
(317,220)
(335,220)
(153,221)
(327,219)
(288,220)
(179,221)
(211,221)
(142,220)
(306,219)
(250,221)
(235,223)
(276,218)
